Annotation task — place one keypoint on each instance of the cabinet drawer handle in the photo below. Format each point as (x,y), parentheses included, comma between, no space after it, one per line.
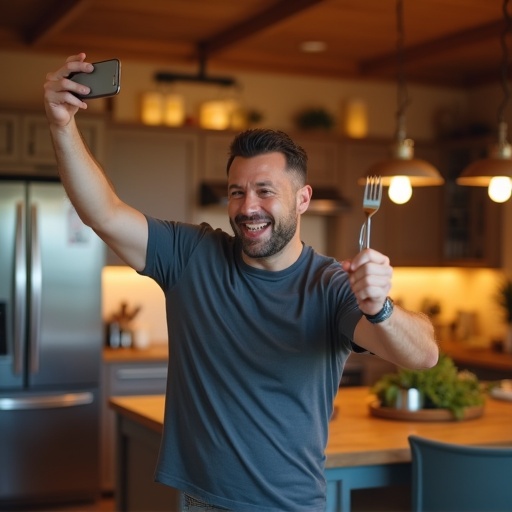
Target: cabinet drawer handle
(46,402)
(141,373)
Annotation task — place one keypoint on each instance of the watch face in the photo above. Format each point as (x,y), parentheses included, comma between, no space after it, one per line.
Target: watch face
(383,314)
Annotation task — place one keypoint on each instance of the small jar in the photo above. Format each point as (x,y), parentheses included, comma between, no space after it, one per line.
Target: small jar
(409,399)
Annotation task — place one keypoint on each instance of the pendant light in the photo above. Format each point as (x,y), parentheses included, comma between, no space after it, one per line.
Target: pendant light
(402,171)
(495,172)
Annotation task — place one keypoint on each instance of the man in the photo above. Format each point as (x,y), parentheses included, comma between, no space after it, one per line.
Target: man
(260,326)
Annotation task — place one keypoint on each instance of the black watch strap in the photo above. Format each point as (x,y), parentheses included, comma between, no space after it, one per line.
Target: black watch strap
(383,314)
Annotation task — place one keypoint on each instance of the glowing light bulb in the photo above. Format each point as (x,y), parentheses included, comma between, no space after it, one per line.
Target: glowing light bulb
(400,190)
(500,189)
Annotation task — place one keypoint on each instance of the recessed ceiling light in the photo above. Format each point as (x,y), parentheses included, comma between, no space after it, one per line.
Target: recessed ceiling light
(313,46)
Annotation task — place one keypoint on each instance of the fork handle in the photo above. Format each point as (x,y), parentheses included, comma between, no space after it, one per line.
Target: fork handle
(364,234)
(368,230)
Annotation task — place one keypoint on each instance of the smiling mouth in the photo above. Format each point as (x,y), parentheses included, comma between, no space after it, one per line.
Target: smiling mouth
(257,227)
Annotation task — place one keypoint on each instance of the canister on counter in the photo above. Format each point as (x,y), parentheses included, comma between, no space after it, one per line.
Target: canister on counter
(113,335)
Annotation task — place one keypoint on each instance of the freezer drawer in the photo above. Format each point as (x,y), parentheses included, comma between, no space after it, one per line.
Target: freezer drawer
(50,447)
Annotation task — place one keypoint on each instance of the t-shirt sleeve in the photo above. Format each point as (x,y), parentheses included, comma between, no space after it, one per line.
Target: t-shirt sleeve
(170,246)
(348,314)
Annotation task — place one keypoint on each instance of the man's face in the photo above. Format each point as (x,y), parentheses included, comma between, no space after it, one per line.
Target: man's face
(264,205)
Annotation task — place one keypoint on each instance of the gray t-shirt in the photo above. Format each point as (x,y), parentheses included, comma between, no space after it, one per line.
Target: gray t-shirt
(255,362)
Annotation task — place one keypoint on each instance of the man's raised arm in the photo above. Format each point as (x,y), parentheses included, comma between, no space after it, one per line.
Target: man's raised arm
(122,227)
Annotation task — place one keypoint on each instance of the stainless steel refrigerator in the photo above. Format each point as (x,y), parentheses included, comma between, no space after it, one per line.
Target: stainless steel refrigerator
(50,346)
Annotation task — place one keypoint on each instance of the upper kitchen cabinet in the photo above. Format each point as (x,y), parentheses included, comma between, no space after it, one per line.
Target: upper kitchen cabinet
(214,155)
(447,225)
(152,169)
(26,146)
(323,157)
(9,138)
(472,227)
(410,234)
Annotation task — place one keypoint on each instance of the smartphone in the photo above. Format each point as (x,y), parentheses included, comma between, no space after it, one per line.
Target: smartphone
(104,80)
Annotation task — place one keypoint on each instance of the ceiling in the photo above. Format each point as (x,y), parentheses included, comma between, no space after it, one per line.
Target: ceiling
(447,42)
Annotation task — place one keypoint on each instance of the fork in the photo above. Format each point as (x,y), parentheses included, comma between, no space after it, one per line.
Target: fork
(371,203)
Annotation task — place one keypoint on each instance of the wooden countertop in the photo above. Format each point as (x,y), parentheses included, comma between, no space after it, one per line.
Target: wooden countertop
(482,357)
(155,352)
(457,350)
(355,437)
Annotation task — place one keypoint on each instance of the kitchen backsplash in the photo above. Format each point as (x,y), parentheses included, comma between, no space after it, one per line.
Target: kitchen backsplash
(123,284)
(457,291)
(454,290)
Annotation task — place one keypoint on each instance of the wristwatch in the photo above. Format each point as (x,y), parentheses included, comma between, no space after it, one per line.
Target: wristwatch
(383,314)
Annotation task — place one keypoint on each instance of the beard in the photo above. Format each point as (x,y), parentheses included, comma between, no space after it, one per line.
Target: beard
(281,234)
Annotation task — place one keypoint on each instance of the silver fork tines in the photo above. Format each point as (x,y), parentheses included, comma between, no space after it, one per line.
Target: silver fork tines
(371,203)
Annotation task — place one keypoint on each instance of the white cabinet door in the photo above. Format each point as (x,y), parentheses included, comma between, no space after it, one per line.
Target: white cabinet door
(26,146)
(9,138)
(37,143)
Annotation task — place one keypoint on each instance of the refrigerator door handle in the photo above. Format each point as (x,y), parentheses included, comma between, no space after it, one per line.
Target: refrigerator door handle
(20,286)
(36,284)
(46,402)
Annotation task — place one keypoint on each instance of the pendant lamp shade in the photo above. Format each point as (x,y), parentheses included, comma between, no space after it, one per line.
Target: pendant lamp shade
(495,171)
(403,163)
(481,172)
(402,171)
(498,163)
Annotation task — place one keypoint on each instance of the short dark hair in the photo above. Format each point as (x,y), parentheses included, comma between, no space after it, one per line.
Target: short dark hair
(260,141)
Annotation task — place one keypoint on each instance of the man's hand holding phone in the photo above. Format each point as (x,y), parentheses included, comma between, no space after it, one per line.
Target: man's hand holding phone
(104,80)
(66,88)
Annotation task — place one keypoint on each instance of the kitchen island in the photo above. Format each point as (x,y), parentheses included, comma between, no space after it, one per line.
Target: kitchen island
(127,372)
(363,451)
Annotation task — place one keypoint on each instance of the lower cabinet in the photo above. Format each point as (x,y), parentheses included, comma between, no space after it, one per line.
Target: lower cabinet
(137,491)
(133,378)
(365,370)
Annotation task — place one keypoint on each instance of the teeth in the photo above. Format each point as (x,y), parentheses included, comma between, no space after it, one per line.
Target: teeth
(256,227)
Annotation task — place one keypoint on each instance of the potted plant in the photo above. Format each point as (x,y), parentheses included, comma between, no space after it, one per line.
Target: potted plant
(314,119)
(442,387)
(505,301)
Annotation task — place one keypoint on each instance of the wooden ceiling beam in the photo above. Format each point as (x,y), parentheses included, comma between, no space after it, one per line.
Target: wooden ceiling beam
(431,48)
(278,12)
(55,20)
